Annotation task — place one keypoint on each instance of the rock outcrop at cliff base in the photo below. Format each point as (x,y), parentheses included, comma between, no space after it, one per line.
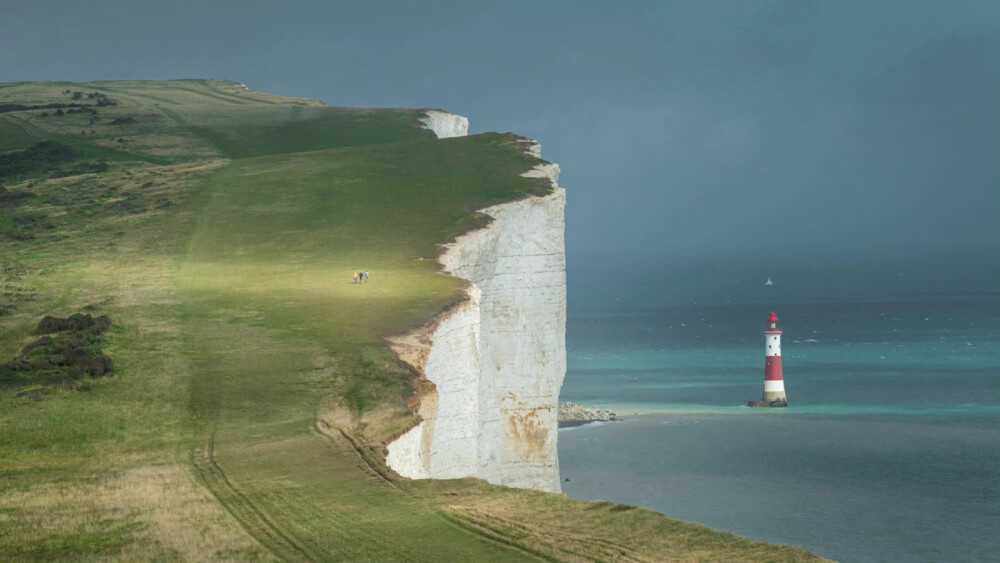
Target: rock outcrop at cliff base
(571,414)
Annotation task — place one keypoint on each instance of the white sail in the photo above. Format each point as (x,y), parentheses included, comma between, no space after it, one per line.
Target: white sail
(769,282)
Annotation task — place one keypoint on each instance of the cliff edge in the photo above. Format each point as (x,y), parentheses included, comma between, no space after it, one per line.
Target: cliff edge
(492,367)
(444,124)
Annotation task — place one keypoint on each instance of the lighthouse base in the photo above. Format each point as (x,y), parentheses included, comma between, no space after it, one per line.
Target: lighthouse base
(774,403)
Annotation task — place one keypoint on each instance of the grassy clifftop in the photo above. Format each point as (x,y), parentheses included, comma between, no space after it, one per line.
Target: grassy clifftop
(252,392)
(173,121)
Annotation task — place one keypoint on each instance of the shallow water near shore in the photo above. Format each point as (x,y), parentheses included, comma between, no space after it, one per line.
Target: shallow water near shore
(889,450)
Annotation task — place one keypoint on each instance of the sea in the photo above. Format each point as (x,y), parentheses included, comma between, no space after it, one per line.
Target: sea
(889,450)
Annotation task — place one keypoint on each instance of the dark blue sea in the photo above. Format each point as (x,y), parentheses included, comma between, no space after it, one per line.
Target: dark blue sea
(889,449)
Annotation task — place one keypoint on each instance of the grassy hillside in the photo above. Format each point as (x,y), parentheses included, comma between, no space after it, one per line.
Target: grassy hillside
(175,121)
(252,392)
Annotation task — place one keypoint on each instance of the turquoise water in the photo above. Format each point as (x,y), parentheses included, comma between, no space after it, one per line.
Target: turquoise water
(889,450)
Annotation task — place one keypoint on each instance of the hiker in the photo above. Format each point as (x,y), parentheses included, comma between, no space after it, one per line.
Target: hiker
(366,276)
(355,277)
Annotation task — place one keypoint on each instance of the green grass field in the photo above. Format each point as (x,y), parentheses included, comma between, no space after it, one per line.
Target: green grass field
(253,391)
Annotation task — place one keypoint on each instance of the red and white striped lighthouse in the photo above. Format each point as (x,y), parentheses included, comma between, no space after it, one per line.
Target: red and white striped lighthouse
(774,383)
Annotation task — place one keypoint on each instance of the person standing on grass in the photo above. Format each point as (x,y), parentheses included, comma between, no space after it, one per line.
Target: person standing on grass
(366,276)
(355,277)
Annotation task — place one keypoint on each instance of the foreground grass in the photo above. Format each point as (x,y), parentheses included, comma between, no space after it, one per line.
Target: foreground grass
(253,391)
(104,472)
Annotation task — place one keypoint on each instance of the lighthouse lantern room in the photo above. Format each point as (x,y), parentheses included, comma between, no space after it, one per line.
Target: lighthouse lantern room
(774,383)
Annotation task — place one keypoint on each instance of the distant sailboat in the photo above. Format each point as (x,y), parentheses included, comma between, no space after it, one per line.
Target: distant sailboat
(769,282)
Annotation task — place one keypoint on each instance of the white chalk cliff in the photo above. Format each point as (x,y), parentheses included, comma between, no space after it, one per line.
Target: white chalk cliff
(445,124)
(496,361)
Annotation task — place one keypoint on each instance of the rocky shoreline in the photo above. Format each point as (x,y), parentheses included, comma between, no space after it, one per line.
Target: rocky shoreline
(571,414)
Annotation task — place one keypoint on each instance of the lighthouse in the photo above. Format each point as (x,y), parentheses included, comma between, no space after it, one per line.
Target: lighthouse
(774,383)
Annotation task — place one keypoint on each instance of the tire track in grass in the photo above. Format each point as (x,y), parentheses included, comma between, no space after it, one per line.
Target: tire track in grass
(238,97)
(479,531)
(331,436)
(455,520)
(133,97)
(251,517)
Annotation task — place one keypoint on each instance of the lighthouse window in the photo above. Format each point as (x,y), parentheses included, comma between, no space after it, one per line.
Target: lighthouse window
(768,345)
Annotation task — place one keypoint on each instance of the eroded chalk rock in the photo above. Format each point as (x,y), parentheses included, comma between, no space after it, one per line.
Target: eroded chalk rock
(498,360)
(445,124)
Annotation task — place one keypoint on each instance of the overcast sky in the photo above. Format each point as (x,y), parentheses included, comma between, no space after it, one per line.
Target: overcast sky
(694,129)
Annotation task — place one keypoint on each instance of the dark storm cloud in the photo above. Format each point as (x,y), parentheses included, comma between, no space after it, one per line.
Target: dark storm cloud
(683,128)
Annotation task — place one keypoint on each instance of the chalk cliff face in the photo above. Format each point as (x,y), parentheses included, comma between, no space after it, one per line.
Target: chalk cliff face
(445,124)
(497,361)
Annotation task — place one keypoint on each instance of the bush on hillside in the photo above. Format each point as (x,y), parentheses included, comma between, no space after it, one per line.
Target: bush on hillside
(86,167)
(68,351)
(24,226)
(7,108)
(75,323)
(10,198)
(39,157)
